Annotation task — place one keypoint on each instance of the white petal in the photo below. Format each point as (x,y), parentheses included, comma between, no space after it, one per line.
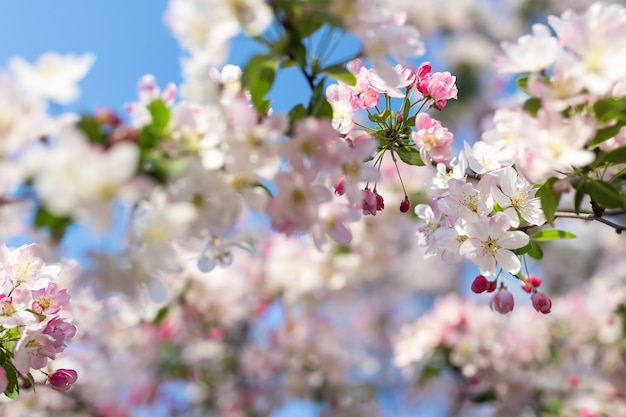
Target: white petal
(508,261)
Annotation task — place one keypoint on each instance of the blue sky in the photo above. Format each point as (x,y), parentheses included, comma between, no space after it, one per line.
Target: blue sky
(129,39)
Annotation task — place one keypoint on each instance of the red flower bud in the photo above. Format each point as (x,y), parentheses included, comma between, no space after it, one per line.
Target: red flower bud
(380,203)
(405,205)
(480,284)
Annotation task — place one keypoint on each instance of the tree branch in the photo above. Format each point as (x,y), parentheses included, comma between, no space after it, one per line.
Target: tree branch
(590,217)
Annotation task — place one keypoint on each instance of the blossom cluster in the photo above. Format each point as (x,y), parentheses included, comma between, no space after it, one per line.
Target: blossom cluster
(35,323)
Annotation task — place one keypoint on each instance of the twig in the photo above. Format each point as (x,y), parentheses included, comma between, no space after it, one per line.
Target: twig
(590,217)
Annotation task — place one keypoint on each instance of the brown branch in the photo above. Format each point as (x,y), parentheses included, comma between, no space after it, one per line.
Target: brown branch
(590,217)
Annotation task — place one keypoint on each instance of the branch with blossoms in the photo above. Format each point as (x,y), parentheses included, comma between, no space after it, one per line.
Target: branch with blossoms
(34,323)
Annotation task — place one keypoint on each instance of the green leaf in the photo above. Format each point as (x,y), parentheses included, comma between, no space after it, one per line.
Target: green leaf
(485,397)
(160,115)
(428,372)
(524,249)
(318,105)
(56,224)
(92,129)
(532,105)
(608,109)
(549,199)
(522,83)
(3,356)
(31,379)
(410,156)
(340,73)
(381,117)
(604,194)
(551,234)
(258,78)
(297,112)
(13,389)
(406,108)
(160,315)
(606,134)
(616,156)
(535,251)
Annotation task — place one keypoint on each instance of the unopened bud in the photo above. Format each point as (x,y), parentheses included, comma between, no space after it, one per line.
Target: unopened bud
(480,284)
(380,202)
(541,302)
(62,379)
(502,301)
(399,117)
(340,185)
(405,205)
(532,282)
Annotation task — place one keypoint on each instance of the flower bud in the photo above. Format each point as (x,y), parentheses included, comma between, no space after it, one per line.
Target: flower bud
(62,379)
(541,302)
(532,282)
(492,286)
(405,205)
(480,284)
(398,117)
(340,185)
(502,301)
(380,202)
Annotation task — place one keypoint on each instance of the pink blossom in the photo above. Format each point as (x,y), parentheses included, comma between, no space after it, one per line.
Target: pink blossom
(295,208)
(49,300)
(33,350)
(434,140)
(59,330)
(62,379)
(502,301)
(371,202)
(490,241)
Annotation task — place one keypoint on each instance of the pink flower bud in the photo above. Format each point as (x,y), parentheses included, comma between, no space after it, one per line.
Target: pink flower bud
(405,205)
(398,117)
(480,284)
(340,185)
(502,301)
(541,302)
(62,379)
(532,282)
(492,286)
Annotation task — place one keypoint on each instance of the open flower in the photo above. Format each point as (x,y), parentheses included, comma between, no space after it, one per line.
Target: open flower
(490,242)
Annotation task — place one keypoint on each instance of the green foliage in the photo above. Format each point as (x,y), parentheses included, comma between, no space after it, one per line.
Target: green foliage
(549,199)
(535,251)
(160,116)
(258,78)
(380,118)
(532,106)
(13,389)
(92,129)
(409,155)
(605,194)
(318,105)
(616,156)
(297,112)
(56,224)
(340,73)
(551,234)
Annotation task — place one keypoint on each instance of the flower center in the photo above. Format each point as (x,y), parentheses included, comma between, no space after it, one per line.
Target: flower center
(491,246)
